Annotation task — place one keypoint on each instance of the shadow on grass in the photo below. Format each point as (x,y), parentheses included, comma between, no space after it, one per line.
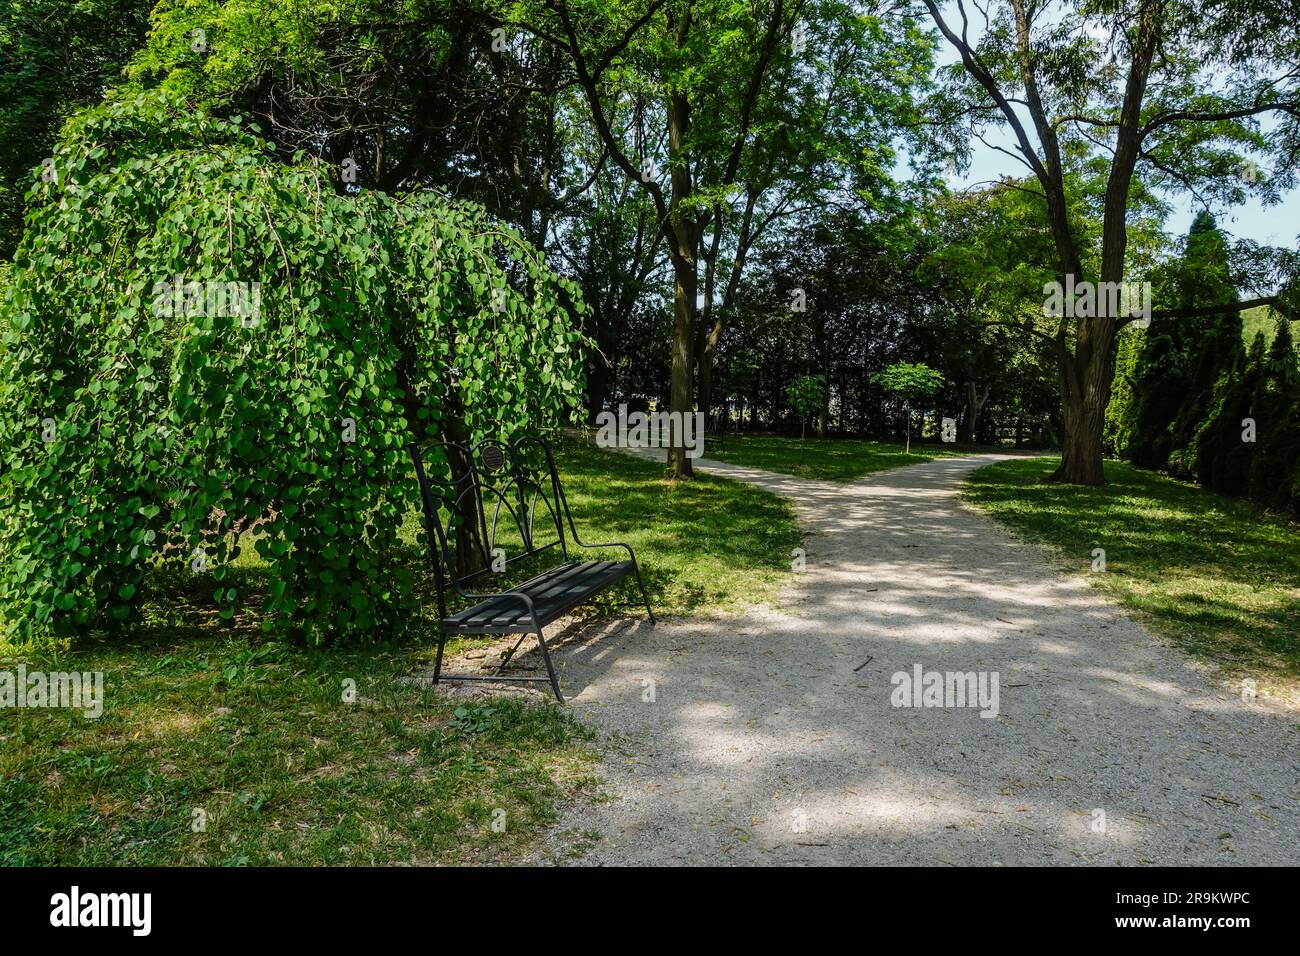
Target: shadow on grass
(333,755)
(213,750)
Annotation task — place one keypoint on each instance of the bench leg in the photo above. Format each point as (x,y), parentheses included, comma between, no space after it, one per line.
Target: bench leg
(550,668)
(644,599)
(437,661)
(507,658)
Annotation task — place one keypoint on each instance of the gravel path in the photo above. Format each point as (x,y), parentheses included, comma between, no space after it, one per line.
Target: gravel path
(763,741)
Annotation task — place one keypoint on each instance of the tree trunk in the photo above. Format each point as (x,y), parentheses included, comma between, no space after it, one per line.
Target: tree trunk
(597,388)
(679,396)
(1085,387)
(974,405)
(826,407)
(600,376)
(1085,374)
(1081,462)
(685,280)
(966,429)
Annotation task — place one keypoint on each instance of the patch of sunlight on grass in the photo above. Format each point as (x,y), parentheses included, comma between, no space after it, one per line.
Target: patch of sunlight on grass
(1215,575)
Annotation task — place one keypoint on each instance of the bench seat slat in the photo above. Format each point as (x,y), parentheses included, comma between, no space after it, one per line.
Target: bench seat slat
(501,610)
(554,593)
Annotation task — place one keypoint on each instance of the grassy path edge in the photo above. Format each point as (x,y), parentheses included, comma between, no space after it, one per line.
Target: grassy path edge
(1213,576)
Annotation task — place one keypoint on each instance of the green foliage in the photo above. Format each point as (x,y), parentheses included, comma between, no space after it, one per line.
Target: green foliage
(1263,319)
(1184,358)
(1274,478)
(1222,458)
(913,382)
(988,258)
(993,253)
(55,57)
(1194,389)
(1161,385)
(198,433)
(1258,395)
(805,394)
(1117,434)
(293,38)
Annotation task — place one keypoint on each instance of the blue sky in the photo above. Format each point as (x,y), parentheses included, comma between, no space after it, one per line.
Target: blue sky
(1275,225)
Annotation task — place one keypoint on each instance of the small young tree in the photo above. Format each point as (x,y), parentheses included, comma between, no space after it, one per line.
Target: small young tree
(805,394)
(913,383)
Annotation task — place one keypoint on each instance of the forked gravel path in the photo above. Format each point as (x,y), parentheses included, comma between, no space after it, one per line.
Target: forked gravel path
(765,743)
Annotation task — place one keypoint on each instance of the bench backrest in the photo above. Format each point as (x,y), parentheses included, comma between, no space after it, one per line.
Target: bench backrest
(473,494)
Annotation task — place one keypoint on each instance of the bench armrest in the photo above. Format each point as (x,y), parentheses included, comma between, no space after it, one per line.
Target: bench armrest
(610,544)
(573,529)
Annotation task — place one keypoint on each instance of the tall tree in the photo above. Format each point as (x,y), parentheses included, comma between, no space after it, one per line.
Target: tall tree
(669,46)
(1165,92)
(735,83)
(987,253)
(827,127)
(609,237)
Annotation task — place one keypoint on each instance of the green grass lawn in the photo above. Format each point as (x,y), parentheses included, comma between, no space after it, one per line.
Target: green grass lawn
(204,721)
(213,750)
(703,545)
(827,459)
(1213,574)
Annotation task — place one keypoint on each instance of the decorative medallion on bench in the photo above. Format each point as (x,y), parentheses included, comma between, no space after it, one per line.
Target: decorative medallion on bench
(490,506)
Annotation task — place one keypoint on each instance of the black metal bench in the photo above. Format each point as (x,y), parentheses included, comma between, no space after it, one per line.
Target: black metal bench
(469,493)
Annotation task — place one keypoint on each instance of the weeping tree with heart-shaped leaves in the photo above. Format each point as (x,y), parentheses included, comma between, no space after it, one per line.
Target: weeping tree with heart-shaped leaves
(207,349)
